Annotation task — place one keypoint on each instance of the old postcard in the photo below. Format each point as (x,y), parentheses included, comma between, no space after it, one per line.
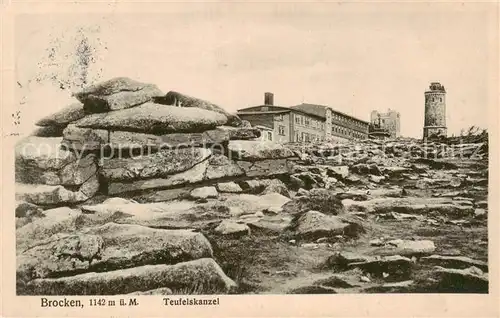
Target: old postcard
(250,159)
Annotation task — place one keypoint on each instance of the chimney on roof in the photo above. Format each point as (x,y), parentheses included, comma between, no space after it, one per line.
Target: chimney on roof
(269,99)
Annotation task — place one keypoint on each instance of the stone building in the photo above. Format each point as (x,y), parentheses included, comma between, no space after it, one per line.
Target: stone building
(389,121)
(435,111)
(338,126)
(303,123)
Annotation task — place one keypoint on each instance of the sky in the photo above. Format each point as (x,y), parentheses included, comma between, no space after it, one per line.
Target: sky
(353,57)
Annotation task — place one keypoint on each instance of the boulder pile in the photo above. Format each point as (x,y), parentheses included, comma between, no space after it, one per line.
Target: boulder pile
(127,137)
(123,137)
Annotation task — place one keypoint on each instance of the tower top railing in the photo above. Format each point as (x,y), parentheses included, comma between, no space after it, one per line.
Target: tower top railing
(436,86)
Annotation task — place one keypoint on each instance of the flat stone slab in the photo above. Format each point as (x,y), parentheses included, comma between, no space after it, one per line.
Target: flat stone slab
(136,140)
(313,225)
(458,262)
(115,94)
(159,164)
(202,276)
(110,246)
(63,117)
(183,100)
(155,119)
(190,176)
(406,248)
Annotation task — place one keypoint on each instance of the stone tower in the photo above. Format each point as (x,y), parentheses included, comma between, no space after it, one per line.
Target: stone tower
(435,111)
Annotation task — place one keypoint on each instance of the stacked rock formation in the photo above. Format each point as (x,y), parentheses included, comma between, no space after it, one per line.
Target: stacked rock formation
(127,137)
(124,138)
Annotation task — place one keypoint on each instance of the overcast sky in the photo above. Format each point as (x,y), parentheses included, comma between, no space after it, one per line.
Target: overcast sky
(353,57)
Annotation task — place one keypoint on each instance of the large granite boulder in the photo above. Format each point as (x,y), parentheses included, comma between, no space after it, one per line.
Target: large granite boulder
(117,93)
(157,165)
(202,276)
(219,166)
(110,246)
(178,99)
(63,117)
(313,225)
(155,119)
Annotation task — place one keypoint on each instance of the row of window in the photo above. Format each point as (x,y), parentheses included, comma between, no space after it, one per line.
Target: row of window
(347,132)
(307,121)
(434,99)
(307,137)
(350,121)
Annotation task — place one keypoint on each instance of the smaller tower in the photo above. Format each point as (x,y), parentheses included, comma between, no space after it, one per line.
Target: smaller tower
(435,111)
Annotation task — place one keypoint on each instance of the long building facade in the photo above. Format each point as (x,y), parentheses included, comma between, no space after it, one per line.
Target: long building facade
(303,123)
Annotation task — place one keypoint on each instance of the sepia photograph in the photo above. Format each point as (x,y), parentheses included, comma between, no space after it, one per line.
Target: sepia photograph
(252,149)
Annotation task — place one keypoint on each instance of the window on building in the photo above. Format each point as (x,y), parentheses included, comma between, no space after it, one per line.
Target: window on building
(307,121)
(301,120)
(297,119)
(269,135)
(440,99)
(280,117)
(281,130)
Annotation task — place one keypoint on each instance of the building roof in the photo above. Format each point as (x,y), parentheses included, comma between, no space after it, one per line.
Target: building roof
(265,112)
(319,110)
(283,110)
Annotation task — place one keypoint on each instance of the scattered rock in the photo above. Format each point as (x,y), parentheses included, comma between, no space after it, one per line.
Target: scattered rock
(219,166)
(396,266)
(406,248)
(230,187)
(480,213)
(321,200)
(227,227)
(313,225)
(204,193)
